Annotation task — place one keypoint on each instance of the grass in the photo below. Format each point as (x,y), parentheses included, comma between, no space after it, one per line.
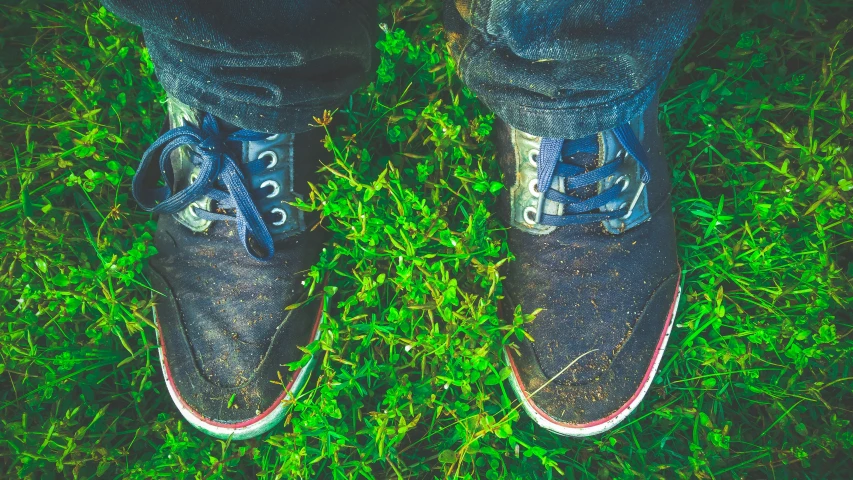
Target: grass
(758,378)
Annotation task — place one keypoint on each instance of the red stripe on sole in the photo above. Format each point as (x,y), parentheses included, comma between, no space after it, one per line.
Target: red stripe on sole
(647,378)
(252,420)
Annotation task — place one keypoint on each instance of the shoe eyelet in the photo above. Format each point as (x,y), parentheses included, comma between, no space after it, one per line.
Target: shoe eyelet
(533,156)
(191,210)
(530,215)
(273,137)
(193,177)
(624,180)
(276,188)
(273,158)
(281,214)
(533,187)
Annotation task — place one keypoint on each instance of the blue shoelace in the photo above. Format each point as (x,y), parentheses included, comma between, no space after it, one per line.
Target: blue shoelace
(220,178)
(553,154)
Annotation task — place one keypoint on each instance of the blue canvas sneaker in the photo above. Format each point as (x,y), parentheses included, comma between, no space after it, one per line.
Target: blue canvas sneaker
(593,234)
(232,254)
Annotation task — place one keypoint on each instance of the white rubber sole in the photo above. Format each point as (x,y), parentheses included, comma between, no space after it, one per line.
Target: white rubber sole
(608,423)
(251,428)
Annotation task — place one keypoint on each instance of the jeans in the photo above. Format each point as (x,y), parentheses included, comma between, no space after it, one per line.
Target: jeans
(552,68)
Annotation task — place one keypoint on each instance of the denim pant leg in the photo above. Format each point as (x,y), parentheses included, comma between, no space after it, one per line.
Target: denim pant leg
(266,65)
(567,68)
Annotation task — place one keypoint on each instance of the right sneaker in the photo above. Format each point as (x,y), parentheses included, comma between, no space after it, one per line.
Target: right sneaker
(232,253)
(593,234)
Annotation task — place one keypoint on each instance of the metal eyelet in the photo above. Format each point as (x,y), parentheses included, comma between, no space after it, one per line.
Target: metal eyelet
(533,187)
(191,209)
(530,215)
(276,188)
(273,157)
(532,156)
(624,180)
(282,214)
(193,177)
(273,137)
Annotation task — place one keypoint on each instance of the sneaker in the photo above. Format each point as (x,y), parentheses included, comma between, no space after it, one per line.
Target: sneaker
(232,254)
(596,252)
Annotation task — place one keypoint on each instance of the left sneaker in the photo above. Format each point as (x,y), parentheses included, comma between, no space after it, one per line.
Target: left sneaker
(596,250)
(232,253)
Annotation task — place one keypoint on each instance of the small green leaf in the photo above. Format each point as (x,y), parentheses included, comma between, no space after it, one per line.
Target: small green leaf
(60,280)
(26,205)
(504,431)
(447,456)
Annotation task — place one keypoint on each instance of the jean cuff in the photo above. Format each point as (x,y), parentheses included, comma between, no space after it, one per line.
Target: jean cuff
(576,121)
(250,116)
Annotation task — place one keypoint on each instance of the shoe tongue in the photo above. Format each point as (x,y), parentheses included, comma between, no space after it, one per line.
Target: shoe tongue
(587,161)
(583,153)
(181,114)
(227,128)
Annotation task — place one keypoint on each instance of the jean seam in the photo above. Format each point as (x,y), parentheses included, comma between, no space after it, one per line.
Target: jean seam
(471,37)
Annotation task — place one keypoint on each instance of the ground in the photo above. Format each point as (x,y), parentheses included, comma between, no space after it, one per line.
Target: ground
(758,378)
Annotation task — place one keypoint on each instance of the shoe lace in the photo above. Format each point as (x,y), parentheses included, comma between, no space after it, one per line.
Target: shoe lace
(554,161)
(220,178)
